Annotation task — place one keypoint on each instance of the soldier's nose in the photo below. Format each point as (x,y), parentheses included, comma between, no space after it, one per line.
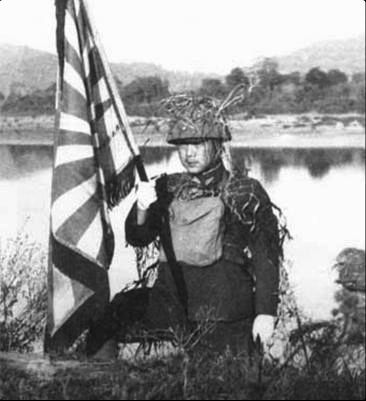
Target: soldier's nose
(191,151)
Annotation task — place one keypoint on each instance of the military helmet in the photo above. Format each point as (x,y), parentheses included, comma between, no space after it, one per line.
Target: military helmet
(195,119)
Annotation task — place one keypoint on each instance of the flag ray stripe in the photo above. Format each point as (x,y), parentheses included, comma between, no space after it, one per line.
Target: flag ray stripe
(73,138)
(106,126)
(85,58)
(86,45)
(119,155)
(77,9)
(88,272)
(71,153)
(68,203)
(71,175)
(64,299)
(73,58)
(71,33)
(101,108)
(74,103)
(101,92)
(74,226)
(70,8)
(81,293)
(95,66)
(63,334)
(106,156)
(69,122)
(73,78)
(92,239)
(102,254)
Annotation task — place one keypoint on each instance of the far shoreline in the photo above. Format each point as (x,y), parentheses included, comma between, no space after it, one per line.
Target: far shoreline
(269,132)
(290,142)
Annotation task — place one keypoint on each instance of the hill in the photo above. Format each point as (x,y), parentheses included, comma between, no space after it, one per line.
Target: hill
(27,70)
(346,55)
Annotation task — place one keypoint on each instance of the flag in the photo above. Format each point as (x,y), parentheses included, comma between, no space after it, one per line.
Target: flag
(95,158)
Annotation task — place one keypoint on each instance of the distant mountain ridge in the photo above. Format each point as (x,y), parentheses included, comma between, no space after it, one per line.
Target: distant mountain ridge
(31,69)
(347,55)
(23,66)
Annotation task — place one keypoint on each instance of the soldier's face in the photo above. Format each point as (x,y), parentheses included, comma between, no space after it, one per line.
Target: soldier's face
(197,157)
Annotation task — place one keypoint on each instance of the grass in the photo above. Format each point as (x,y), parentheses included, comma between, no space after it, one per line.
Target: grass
(181,376)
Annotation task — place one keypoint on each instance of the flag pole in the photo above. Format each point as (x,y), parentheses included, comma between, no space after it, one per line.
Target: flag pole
(116,99)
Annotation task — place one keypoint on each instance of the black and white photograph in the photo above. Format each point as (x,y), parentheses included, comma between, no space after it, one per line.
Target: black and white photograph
(182,199)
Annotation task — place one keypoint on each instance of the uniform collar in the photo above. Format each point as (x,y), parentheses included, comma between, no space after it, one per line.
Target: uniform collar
(212,177)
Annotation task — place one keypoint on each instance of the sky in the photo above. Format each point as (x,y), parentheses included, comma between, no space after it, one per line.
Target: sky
(192,35)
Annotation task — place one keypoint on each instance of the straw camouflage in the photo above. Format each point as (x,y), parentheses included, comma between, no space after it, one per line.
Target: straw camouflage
(194,118)
(198,118)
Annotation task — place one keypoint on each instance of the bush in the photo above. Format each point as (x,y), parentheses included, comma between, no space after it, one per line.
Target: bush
(23,293)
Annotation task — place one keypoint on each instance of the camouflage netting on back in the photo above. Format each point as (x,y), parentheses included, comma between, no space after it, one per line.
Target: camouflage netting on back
(247,199)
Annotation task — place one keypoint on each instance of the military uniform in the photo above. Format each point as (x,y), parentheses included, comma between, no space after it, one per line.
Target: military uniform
(243,281)
(220,248)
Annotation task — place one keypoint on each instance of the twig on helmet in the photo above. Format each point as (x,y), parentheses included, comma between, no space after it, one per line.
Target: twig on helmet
(254,81)
(239,93)
(233,97)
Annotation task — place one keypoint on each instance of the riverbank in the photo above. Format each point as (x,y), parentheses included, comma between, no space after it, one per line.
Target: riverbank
(283,131)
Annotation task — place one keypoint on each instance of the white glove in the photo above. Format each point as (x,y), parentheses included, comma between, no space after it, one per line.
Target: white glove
(146,194)
(263,327)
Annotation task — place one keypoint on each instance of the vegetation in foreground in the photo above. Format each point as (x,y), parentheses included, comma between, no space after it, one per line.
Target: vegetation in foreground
(203,376)
(317,361)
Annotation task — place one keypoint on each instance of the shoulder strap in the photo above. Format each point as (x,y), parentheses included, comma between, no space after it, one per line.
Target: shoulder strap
(167,244)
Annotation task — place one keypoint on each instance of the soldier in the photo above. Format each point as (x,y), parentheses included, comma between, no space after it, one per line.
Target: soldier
(220,242)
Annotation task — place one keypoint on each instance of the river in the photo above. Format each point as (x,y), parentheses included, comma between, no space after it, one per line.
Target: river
(320,191)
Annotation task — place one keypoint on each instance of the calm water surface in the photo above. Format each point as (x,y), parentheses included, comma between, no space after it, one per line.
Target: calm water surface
(320,191)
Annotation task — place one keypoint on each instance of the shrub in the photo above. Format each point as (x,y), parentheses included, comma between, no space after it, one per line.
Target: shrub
(23,293)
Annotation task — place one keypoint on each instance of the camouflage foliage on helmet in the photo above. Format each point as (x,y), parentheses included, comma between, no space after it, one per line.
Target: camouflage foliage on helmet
(195,118)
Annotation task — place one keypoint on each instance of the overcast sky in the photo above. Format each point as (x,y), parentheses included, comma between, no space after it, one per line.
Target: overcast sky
(192,35)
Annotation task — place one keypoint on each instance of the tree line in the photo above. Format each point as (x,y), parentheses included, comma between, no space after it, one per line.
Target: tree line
(320,91)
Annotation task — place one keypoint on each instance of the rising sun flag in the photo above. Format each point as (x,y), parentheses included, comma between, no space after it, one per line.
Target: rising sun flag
(95,159)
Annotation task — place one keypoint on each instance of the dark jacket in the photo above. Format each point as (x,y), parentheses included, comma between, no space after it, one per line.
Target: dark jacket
(244,282)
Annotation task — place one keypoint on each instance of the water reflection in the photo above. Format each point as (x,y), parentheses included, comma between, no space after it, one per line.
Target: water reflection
(318,162)
(20,160)
(16,161)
